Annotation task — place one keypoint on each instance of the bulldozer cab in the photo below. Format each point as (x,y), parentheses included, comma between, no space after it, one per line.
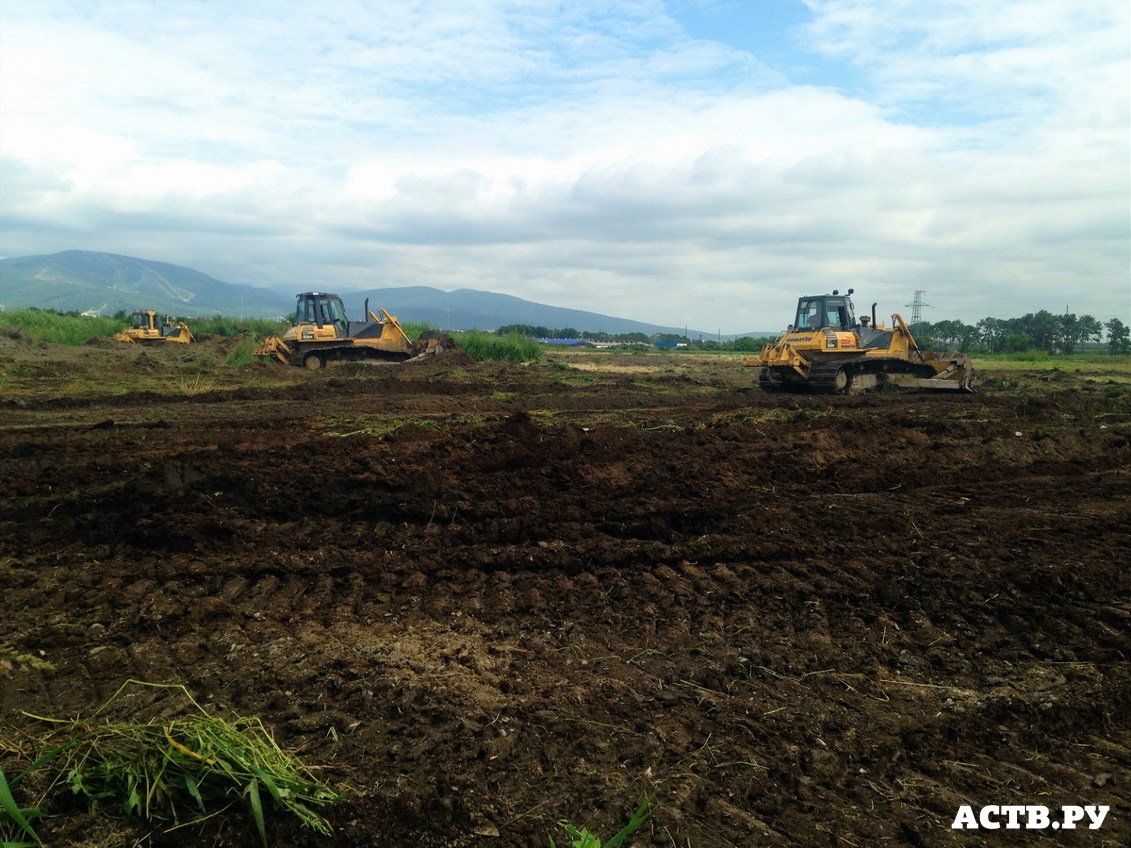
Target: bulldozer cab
(322,309)
(833,311)
(141,320)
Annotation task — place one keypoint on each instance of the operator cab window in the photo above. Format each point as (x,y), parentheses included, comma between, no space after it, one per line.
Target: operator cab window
(305,312)
(809,315)
(335,312)
(838,313)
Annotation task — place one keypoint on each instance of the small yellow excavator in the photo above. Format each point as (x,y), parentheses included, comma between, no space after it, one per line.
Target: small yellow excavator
(827,351)
(322,333)
(144,328)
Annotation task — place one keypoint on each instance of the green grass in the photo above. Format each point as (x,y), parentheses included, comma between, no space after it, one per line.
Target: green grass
(39,326)
(11,659)
(416,329)
(173,771)
(581,837)
(242,353)
(1039,360)
(226,326)
(197,384)
(990,368)
(15,821)
(488,347)
(472,418)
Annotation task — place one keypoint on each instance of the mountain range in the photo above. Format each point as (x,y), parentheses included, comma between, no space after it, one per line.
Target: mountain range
(82,280)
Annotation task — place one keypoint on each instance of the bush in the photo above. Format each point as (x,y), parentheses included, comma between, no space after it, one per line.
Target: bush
(225,326)
(243,352)
(483,347)
(43,326)
(416,329)
(40,325)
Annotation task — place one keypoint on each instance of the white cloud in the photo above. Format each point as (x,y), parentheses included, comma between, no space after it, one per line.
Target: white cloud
(591,155)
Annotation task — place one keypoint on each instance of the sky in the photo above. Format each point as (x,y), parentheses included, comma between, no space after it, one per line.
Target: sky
(698,163)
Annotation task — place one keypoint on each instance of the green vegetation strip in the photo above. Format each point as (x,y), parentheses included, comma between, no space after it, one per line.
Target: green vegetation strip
(178,770)
(483,347)
(44,325)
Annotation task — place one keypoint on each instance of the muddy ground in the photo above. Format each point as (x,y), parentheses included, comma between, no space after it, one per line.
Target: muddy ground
(483,599)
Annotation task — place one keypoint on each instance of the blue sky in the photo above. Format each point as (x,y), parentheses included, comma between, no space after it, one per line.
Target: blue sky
(689,162)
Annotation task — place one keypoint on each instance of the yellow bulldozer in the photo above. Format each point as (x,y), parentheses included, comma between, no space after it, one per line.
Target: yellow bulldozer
(146,328)
(828,351)
(322,333)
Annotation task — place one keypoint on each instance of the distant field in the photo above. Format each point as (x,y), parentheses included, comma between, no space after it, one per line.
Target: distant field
(1112,367)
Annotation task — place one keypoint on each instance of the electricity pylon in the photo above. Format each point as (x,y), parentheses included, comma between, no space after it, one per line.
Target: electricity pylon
(917,307)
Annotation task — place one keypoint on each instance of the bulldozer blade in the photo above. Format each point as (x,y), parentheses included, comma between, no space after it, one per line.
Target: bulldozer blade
(274,348)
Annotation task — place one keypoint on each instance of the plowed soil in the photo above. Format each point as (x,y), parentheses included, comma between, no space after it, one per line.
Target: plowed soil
(483,599)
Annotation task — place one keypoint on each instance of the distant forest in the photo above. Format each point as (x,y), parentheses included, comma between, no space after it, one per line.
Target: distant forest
(1036,331)
(1042,331)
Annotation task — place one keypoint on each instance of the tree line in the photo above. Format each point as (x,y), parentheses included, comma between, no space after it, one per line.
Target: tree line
(537,331)
(1036,331)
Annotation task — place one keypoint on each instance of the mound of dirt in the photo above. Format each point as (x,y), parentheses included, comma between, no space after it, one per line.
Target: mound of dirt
(220,346)
(438,362)
(10,335)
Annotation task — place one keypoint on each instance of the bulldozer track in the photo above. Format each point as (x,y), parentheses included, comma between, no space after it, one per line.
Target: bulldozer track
(837,376)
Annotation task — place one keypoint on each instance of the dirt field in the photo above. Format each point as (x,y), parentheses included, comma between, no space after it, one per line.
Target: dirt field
(484,599)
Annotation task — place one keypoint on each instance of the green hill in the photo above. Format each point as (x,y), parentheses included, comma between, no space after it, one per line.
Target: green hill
(80,280)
